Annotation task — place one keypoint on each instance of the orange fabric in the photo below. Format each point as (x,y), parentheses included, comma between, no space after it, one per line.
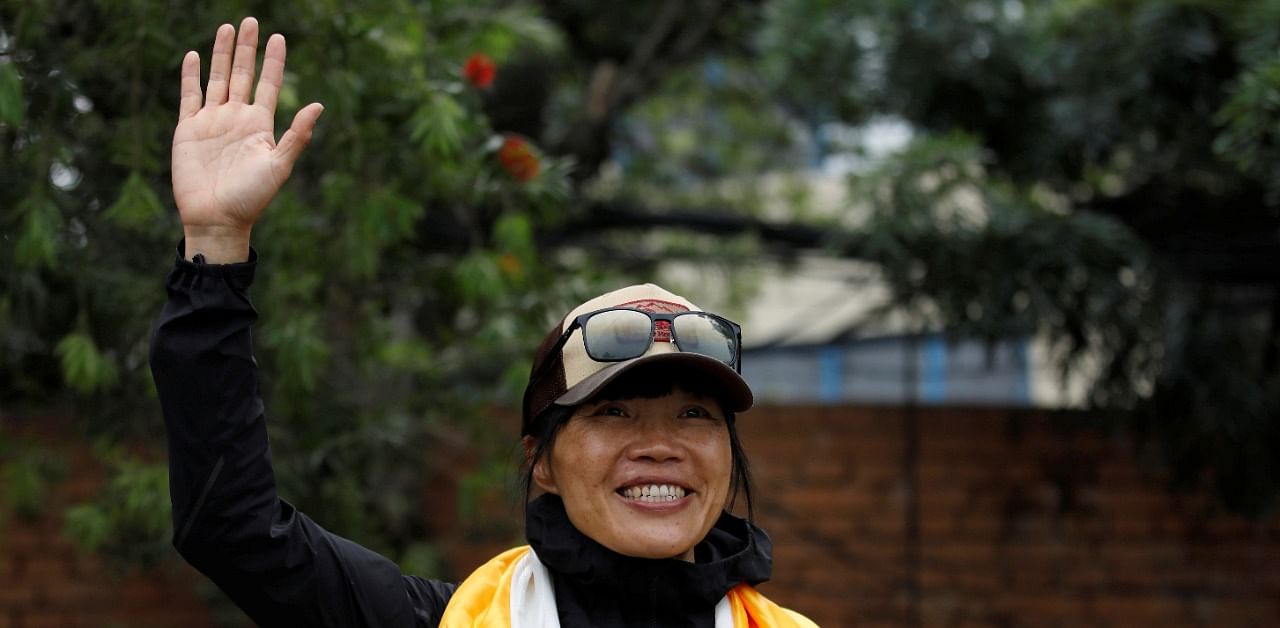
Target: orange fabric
(753,610)
(483,600)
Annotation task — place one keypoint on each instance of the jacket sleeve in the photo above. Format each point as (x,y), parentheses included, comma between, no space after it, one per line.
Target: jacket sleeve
(278,565)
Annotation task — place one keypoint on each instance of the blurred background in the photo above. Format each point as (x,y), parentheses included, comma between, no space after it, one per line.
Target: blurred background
(1009,274)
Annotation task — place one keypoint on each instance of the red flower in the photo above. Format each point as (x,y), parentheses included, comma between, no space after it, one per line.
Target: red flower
(518,158)
(479,70)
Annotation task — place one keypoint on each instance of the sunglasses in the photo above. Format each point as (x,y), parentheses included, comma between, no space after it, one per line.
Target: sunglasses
(619,333)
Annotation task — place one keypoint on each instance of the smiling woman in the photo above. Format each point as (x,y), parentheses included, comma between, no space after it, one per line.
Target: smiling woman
(628,427)
(642,477)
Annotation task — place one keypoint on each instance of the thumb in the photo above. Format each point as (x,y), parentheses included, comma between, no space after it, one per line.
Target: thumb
(298,136)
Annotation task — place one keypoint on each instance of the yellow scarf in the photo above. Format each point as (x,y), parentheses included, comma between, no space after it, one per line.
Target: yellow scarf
(484,599)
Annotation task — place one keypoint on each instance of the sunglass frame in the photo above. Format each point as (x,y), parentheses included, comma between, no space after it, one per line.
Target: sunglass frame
(580,322)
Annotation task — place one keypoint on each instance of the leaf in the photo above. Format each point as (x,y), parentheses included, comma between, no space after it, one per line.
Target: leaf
(410,354)
(1250,119)
(129,518)
(302,351)
(84,368)
(11,104)
(514,233)
(421,557)
(23,488)
(437,125)
(529,28)
(478,277)
(38,243)
(87,526)
(384,219)
(138,207)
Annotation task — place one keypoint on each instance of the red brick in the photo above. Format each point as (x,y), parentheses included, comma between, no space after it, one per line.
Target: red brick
(958,578)
(86,597)
(142,593)
(51,567)
(48,619)
(1258,611)
(22,538)
(15,595)
(1151,610)
(9,563)
(80,487)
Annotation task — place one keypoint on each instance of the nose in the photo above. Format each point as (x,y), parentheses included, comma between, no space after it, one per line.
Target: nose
(655,441)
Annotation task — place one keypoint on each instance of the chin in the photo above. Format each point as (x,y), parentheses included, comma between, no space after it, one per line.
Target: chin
(657,552)
(654,544)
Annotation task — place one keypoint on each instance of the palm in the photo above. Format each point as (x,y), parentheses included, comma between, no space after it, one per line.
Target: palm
(226,163)
(223,167)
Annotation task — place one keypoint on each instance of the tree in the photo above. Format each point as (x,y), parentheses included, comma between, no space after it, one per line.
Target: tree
(1122,157)
(412,185)
(425,178)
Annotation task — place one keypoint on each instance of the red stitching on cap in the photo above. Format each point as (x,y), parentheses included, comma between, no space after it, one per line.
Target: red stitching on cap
(655,305)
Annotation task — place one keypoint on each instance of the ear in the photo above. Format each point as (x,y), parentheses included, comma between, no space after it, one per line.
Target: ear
(528,442)
(542,475)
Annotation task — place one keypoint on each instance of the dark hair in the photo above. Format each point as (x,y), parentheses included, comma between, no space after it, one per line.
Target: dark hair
(645,382)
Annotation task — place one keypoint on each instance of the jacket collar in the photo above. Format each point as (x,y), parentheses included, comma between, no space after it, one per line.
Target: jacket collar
(734,551)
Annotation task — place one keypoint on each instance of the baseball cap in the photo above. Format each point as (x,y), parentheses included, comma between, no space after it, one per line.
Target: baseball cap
(567,376)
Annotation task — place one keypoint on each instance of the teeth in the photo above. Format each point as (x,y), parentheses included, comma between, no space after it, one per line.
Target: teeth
(654,493)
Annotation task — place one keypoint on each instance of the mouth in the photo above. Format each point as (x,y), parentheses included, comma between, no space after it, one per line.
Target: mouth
(654,493)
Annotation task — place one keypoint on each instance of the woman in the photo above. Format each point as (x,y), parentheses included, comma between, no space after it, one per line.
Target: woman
(628,426)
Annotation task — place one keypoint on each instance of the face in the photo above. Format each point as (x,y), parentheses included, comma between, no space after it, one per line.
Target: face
(642,477)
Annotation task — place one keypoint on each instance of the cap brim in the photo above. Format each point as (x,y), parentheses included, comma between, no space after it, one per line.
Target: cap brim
(735,390)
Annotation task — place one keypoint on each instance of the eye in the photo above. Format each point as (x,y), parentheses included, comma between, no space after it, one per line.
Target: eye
(610,409)
(696,412)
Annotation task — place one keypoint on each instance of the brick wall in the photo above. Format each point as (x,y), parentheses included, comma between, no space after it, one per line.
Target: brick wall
(993,518)
(1021,519)
(46,583)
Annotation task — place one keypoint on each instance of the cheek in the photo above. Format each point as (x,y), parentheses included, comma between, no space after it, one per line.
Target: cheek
(724,463)
(581,463)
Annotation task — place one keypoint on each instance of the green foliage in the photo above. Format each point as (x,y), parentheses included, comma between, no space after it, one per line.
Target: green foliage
(944,232)
(1251,123)
(11,102)
(26,476)
(438,126)
(1102,174)
(38,240)
(421,558)
(84,367)
(138,207)
(371,338)
(1118,163)
(128,520)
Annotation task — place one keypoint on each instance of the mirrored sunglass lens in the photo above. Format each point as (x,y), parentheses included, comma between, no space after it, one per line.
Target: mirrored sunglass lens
(709,336)
(617,334)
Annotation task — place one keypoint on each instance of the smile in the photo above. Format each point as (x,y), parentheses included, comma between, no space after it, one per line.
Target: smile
(654,493)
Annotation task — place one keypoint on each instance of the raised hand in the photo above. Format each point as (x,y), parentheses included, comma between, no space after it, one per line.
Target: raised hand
(226,163)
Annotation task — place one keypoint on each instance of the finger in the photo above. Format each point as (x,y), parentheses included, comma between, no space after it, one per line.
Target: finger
(245,61)
(298,135)
(272,73)
(189,103)
(220,66)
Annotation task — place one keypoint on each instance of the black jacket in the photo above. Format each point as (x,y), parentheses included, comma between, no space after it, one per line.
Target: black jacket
(283,569)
